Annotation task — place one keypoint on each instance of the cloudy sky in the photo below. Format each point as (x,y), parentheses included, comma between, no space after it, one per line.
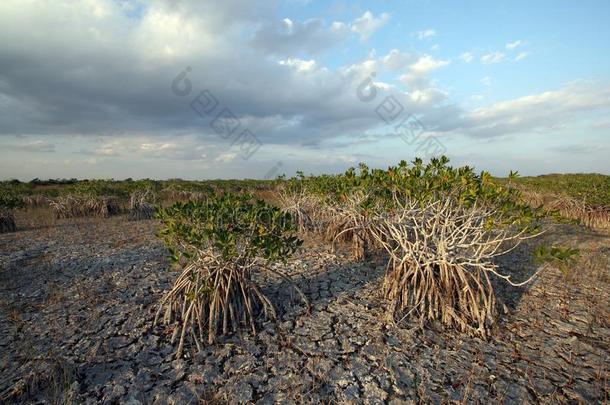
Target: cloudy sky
(238,88)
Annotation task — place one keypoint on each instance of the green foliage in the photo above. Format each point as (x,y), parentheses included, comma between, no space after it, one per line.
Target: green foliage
(220,242)
(98,188)
(424,183)
(9,198)
(593,189)
(37,182)
(562,258)
(142,185)
(234,226)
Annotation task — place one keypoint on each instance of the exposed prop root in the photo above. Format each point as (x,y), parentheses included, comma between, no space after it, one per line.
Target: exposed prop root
(183,195)
(441,258)
(212,297)
(568,207)
(597,218)
(77,206)
(35,201)
(305,208)
(142,205)
(293,285)
(7,221)
(349,223)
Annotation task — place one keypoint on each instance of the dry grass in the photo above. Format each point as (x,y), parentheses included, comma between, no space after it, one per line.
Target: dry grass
(172,196)
(269,196)
(568,207)
(336,221)
(50,378)
(532,198)
(594,267)
(36,218)
(78,206)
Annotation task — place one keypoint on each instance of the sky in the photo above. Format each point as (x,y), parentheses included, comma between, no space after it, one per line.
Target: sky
(242,89)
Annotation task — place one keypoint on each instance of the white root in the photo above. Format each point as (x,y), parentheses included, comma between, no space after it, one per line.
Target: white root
(441,256)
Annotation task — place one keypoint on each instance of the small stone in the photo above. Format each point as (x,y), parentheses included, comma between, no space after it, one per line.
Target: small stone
(183,395)
(240,364)
(351,394)
(397,401)
(319,366)
(341,377)
(373,394)
(392,341)
(242,393)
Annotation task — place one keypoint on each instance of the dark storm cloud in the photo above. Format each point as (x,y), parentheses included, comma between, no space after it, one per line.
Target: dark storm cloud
(86,79)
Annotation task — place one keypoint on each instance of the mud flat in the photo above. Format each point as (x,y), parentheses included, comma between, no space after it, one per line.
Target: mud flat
(78,298)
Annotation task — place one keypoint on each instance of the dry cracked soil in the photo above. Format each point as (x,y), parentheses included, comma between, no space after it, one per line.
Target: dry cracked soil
(78,299)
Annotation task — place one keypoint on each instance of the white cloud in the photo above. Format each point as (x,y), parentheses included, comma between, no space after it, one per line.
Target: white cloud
(100,8)
(31,146)
(288,37)
(521,56)
(542,112)
(417,73)
(486,81)
(299,64)
(579,149)
(136,147)
(367,24)
(429,33)
(360,70)
(429,96)
(289,24)
(164,35)
(383,85)
(396,60)
(601,125)
(226,157)
(426,63)
(515,44)
(467,57)
(492,57)
(157,146)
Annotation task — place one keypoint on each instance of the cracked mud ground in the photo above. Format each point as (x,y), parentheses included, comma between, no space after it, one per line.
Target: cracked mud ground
(77,301)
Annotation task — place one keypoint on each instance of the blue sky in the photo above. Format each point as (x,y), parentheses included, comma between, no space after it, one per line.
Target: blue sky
(563,40)
(86,86)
